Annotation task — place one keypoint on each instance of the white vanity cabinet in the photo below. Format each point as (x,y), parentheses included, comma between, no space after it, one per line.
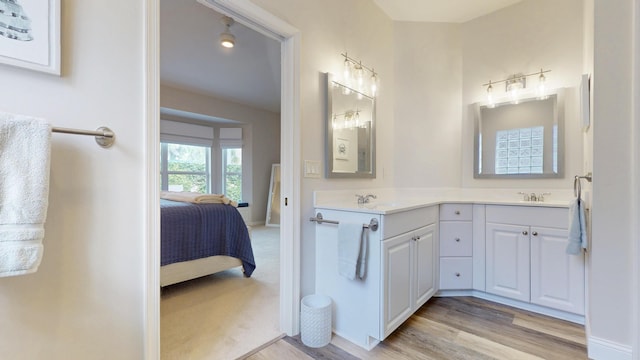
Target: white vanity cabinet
(401,272)
(526,257)
(408,270)
(456,246)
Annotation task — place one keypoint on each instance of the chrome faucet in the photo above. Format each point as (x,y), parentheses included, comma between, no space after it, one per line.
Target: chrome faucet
(364,199)
(533,196)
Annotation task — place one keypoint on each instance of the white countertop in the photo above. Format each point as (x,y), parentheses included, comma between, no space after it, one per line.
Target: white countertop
(391,201)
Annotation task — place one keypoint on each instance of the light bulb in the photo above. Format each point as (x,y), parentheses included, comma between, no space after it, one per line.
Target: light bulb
(514,95)
(374,84)
(542,91)
(227,40)
(359,73)
(347,71)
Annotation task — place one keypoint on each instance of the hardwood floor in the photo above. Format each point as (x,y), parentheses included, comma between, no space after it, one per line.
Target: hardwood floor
(455,328)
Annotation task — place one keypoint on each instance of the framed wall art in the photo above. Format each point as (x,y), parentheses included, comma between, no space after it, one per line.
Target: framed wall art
(30,34)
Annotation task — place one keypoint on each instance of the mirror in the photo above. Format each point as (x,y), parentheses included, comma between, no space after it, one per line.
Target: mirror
(350,132)
(520,140)
(273,204)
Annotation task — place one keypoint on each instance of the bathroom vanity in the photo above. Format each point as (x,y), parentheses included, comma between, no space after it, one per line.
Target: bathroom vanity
(508,251)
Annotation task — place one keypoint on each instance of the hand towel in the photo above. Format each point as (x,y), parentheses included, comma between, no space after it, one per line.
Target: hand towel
(25,146)
(197,198)
(348,248)
(577,228)
(361,267)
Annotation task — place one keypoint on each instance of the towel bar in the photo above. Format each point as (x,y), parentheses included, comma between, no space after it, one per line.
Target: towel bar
(105,137)
(373,224)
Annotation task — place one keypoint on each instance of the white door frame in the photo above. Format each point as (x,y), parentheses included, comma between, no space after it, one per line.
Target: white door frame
(264,22)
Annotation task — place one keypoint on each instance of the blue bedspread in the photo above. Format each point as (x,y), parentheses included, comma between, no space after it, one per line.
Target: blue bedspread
(193,231)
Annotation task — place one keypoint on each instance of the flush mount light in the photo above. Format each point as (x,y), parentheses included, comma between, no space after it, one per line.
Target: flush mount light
(226,38)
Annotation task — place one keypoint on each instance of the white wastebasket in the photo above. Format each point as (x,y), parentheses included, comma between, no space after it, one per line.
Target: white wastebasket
(315,320)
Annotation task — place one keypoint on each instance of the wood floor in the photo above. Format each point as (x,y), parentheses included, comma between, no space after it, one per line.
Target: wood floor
(455,328)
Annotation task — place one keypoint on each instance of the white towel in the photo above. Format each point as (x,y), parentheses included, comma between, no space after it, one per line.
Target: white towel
(349,235)
(577,227)
(25,146)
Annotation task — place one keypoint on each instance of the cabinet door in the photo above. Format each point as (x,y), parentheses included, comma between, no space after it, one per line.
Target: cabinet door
(557,279)
(397,275)
(424,243)
(507,266)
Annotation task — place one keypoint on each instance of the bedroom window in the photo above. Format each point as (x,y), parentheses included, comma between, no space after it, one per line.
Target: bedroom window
(185,167)
(232,173)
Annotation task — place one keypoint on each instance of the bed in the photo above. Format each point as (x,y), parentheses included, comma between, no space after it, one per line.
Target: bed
(202,239)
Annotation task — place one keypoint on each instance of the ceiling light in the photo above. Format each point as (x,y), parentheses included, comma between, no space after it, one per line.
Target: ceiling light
(226,38)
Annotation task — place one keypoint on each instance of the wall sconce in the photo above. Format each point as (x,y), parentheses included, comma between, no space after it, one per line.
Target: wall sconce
(514,85)
(226,38)
(356,75)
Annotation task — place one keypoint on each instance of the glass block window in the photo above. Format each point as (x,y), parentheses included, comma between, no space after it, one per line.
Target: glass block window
(519,151)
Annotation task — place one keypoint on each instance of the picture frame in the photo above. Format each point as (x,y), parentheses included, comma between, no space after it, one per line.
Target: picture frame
(32,41)
(342,149)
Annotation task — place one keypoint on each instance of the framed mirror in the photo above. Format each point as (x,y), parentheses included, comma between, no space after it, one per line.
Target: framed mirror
(522,139)
(273,202)
(350,132)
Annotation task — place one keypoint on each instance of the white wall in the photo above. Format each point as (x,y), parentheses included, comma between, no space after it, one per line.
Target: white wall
(428,75)
(613,238)
(328,29)
(523,38)
(261,138)
(87,299)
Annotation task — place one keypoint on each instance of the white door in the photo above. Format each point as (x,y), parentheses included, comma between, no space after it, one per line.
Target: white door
(424,244)
(557,279)
(507,266)
(397,274)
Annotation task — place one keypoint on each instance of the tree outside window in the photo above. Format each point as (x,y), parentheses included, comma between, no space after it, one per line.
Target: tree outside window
(232,173)
(185,167)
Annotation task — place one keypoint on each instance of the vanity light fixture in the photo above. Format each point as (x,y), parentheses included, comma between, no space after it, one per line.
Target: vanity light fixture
(350,120)
(226,38)
(354,75)
(514,85)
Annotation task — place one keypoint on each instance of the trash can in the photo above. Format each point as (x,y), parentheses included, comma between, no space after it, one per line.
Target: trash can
(315,320)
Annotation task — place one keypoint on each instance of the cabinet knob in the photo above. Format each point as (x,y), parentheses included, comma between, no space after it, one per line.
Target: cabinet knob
(417,237)
(525,232)
(457,239)
(457,274)
(535,233)
(457,212)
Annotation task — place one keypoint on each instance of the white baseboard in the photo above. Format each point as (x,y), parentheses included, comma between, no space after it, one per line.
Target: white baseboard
(601,349)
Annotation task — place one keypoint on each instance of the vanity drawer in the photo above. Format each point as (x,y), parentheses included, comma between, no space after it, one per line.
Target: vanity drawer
(456,273)
(456,238)
(456,212)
